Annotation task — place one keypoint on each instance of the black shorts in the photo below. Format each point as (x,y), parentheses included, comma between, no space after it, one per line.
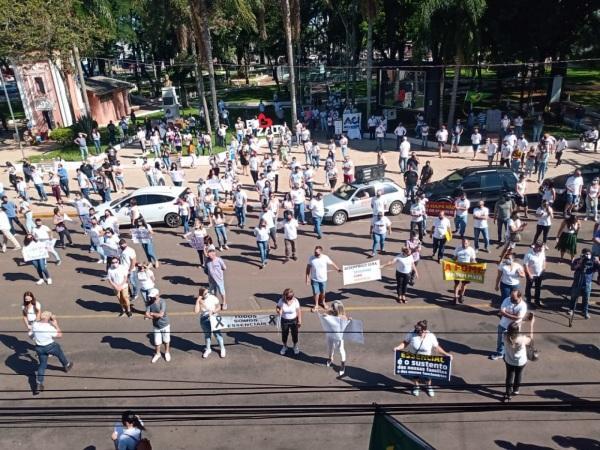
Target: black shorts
(521,201)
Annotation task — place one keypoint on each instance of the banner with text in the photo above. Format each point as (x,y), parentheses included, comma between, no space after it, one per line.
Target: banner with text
(453,270)
(409,365)
(35,250)
(359,273)
(351,125)
(218,322)
(434,208)
(141,236)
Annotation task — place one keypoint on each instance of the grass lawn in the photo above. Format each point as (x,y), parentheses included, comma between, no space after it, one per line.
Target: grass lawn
(17,108)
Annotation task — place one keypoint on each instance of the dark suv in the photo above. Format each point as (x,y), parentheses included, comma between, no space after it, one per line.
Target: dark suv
(479,183)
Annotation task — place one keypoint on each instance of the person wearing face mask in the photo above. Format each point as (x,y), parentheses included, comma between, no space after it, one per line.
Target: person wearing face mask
(207,305)
(481,214)
(464,254)
(421,341)
(512,311)
(117,277)
(509,274)
(591,200)
(405,268)
(515,357)
(439,232)
(240,203)
(381,226)
(290,314)
(584,269)
(462,205)
(378,204)
(316,275)
(534,264)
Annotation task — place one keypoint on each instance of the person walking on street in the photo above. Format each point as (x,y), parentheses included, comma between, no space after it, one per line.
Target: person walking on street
(156,310)
(10,209)
(440,230)
(290,315)
(421,341)
(461,217)
(545,214)
(405,269)
(463,254)
(316,276)
(481,214)
(584,269)
(207,305)
(32,311)
(262,234)
(44,332)
(118,278)
(40,262)
(442,138)
(215,269)
(7,235)
(534,264)
(574,186)
(240,204)
(290,234)
(566,237)
(317,211)
(381,226)
(515,357)
(503,210)
(512,311)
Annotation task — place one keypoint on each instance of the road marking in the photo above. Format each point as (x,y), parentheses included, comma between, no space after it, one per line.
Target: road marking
(259,311)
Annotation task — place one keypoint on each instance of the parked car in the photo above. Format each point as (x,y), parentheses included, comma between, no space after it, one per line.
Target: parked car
(157,204)
(354,200)
(479,183)
(588,173)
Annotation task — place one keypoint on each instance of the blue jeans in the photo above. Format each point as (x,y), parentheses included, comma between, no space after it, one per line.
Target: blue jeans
(585,292)
(542,167)
(240,213)
(309,188)
(41,193)
(84,153)
(205,325)
(424,141)
(460,222)
(263,249)
(506,289)
(485,234)
(64,185)
(515,165)
(97,145)
(85,193)
(537,132)
(43,352)
(316,161)
(221,235)
(378,240)
(299,212)
(402,162)
(149,251)
(500,340)
(439,245)
(98,249)
(185,220)
(317,221)
(379,143)
(40,267)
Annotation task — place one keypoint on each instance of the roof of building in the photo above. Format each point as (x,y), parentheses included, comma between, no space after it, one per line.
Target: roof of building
(101,85)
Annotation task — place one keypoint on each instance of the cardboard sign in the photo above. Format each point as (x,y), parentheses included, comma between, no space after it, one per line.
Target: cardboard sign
(141,236)
(35,250)
(359,273)
(410,365)
(453,270)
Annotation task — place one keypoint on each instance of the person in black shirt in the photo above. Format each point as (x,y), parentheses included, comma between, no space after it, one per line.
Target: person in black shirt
(584,267)
(426,173)
(411,178)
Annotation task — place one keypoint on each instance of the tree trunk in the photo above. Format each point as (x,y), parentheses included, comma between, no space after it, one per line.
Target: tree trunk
(452,109)
(369,62)
(79,68)
(442,89)
(201,94)
(290,57)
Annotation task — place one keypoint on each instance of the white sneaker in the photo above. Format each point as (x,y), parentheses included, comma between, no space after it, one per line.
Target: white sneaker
(430,392)
(283,350)
(296,350)
(40,281)
(223,353)
(207,352)
(167,357)
(3,248)
(99,262)
(49,281)
(59,262)
(155,358)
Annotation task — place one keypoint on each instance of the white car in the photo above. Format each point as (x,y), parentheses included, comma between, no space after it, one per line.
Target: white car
(157,204)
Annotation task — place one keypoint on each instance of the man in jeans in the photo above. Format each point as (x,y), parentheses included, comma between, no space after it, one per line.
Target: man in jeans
(584,267)
(43,332)
(502,211)
(512,310)
(240,205)
(462,205)
(290,234)
(480,225)
(534,264)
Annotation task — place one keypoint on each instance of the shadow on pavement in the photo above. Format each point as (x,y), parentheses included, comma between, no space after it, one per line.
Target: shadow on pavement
(175,262)
(94,305)
(19,276)
(577,442)
(104,290)
(21,361)
(519,446)
(589,350)
(119,343)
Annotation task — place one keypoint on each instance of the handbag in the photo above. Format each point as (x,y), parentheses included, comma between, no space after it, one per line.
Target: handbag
(533,353)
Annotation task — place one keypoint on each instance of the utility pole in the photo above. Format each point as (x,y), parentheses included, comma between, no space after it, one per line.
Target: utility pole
(200,87)
(86,103)
(12,115)
(290,57)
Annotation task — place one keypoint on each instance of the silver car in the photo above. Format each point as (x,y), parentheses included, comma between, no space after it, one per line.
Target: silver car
(354,200)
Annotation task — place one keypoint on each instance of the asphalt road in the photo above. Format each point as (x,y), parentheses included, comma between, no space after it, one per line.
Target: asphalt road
(255,398)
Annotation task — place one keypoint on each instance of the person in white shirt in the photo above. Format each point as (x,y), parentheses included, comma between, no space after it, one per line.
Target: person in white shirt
(400,132)
(442,138)
(298,199)
(463,254)
(405,268)
(290,315)
(118,278)
(475,142)
(262,234)
(512,310)
(43,332)
(270,218)
(534,264)
(509,275)
(240,203)
(141,135)
(521,197)
(505,153)
(372,124)
(404,154)
(317,211)
(574,184)
(417,218)
(348,170)
(421,341)
(439,232)
(7,235)
(290,234)
(316,276)
(481,214)
(207,305)
(42,233)
(492,150)
(378,204)
(380,135)
(461,205)
(381,226)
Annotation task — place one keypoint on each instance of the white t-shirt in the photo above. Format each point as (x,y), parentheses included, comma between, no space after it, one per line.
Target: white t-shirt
(404,149)
(262,234)
(544,218)
(417,211)
(30,311)
(317,208)
(492,149)
(127,256)
(380,226)
(289,311)
(481,212)
(41,233)
(144,278)
(209,305)
(510,273)
(464,206)
(403,263)
(440,227)
(421,345)
(118,275)
(318,267)
(520,309)
(377,205)
(476,138)
(464,255)
(290,229)
(268,217)
(515,353)
(298,196)
(535,262)
(574,184)
(43,333)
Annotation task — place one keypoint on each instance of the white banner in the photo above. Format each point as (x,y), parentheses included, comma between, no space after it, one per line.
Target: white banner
(339,328)
(351,125)
(359,273)
(140,236)
(35,250)
(110,250)
(337,125)
(218,322)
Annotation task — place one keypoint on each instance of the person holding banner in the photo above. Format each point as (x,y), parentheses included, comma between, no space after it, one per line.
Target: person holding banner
(422,342)
(441,234)
(405,268)
(336,340)
(316,275)
(36,253)
(381,226)
(464,255)
(290,314)
(208,305)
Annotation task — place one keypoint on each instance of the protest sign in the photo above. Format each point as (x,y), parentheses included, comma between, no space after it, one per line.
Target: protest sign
(351,125)
(337,127)
(359,273)
(338,328)
(453,270)
(140,236)
(218,322)
(434,208)
(409,365)
(110,250)
(35,250)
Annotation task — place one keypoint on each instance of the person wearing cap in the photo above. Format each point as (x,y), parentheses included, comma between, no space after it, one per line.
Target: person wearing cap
(534,264)
(381,226)
(43,333)
(156,309)
(207,305)
(584,269)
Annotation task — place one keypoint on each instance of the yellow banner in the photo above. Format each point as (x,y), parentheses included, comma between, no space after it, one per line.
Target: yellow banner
(453,270)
